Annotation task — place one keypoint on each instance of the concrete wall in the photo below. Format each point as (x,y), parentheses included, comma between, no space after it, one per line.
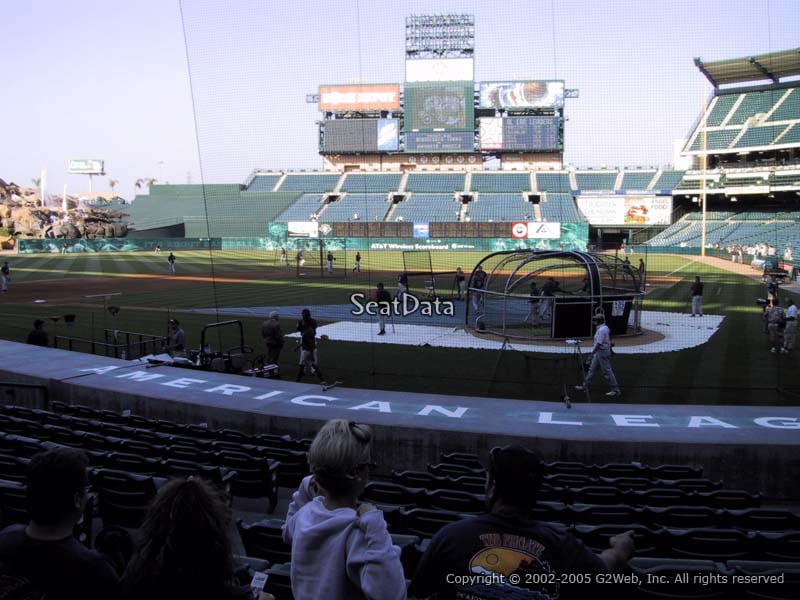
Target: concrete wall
(751,448)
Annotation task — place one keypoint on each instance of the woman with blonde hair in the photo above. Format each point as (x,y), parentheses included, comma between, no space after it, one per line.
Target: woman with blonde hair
(341,549)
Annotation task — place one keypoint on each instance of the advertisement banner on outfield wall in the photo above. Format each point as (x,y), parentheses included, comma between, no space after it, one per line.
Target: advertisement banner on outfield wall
(626,210)
(341,98)
(521,94)
(307,229)
(82,245)
(543,231)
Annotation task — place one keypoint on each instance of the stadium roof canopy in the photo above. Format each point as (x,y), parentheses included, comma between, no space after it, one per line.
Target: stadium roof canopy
(774,66)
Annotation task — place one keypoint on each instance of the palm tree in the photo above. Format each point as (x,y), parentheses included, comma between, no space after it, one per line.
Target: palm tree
(138,184)
(151,181)
(112,183)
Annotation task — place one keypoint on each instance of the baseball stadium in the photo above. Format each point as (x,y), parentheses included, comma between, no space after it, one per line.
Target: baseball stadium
(499,263)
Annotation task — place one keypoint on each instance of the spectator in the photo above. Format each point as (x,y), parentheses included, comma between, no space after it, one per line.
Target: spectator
(38,336)
(183,549)
(696,292)
(790,332)
(273,337)
(507,540)
(46,551)
(341,549)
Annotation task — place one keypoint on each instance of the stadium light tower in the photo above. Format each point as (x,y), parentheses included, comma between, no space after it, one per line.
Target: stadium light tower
(440,36)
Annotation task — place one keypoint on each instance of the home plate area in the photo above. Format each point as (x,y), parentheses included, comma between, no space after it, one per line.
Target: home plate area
(664,332)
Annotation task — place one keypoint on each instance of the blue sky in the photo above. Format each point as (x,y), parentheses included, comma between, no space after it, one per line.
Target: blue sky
(120,81)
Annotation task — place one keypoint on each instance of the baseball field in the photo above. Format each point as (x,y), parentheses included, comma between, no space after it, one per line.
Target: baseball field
(134,292)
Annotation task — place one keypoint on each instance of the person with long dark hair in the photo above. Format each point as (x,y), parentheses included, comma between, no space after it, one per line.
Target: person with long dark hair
(183,550)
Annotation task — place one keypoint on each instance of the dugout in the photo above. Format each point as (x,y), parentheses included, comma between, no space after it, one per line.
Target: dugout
(553,294)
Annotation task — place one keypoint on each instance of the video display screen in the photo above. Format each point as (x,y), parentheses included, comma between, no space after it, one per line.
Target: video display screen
(439,106)
(521,94)
(360,135)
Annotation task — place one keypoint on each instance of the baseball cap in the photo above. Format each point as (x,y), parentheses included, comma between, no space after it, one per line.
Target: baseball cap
(273,314)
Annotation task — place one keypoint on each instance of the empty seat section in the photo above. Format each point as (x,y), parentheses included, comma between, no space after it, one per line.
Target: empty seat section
(722,107)
(553,182)
(500,207)
(637,180)
(500,182)
(441,183)
(668,180)
(371,182)
(596,180)
(560,208)
(788,109)
(357,207)
(760,136)
(715,139)
(427,207)
(298,182)
(302,208)
(263,183)
(754,103)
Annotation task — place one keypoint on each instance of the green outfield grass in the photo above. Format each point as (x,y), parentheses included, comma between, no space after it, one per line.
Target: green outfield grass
(734,367)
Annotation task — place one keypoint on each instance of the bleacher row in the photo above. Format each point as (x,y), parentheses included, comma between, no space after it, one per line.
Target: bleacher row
(449,182)
(681,520)
(727,228)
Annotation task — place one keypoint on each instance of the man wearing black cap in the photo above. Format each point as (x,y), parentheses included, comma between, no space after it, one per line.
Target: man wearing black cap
(38,336)
(506,549)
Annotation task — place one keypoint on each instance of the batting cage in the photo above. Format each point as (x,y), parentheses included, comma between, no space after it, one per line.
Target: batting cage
(553,294)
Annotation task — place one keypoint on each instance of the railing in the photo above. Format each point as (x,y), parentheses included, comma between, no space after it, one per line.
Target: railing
(126,345)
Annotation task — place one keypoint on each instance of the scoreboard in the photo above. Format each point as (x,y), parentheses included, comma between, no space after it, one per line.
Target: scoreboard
(520,134)
(441,141)
(530,133)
